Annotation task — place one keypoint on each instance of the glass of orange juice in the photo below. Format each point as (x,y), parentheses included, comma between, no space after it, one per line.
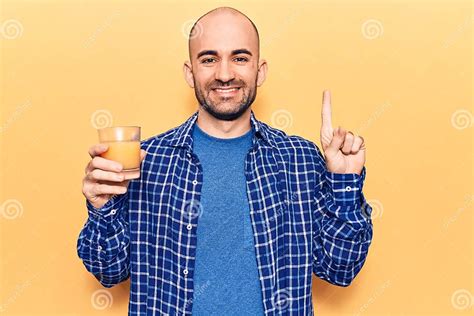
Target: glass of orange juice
(124,147)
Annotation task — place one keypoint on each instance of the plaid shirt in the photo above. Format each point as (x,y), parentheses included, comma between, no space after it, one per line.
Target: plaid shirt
(304,219)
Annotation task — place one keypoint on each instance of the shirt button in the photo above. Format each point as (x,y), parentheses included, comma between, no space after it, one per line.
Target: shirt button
(348,188)
(195,182)
(189,226)
(100,248)
(113,211)
(185,271)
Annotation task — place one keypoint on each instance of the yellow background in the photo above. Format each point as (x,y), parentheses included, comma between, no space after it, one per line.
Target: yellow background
(400,73)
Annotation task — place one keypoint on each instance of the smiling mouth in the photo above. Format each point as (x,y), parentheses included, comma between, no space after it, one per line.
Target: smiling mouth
(226,91)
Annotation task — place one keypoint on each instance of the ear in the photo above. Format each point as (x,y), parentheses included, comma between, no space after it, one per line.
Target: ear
(188,73)
(262,72)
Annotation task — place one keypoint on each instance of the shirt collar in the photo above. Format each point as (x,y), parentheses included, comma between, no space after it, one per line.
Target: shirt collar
(183,135)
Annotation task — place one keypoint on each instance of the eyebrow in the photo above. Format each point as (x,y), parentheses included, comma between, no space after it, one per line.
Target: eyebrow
(234,52)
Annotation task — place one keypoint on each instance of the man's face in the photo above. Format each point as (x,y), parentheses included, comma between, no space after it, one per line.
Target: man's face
(224,65)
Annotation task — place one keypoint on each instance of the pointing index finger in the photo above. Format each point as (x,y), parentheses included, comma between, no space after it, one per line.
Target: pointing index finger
(326,112)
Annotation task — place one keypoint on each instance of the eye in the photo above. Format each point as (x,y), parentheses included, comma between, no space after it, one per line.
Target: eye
(205,61)
(242,59)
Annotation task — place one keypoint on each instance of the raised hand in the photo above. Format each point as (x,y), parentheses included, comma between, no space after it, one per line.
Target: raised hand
(344,152)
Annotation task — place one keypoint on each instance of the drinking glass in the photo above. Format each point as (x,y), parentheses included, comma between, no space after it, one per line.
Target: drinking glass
(124,147)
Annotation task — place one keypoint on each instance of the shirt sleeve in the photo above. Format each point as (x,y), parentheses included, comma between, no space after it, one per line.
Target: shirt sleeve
(103,243)
(342,226)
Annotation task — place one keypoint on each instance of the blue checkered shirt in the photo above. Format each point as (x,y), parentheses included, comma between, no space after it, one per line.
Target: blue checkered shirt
(304,219)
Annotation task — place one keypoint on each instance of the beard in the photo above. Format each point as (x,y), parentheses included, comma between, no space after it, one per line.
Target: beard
(237,107)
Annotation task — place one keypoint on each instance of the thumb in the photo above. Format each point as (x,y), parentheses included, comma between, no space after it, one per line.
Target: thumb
(336,142)
(142,154)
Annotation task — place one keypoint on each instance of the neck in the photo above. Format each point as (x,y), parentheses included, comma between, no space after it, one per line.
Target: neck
(223,129)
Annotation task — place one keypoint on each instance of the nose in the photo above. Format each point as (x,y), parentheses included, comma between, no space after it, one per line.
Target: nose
(224,72)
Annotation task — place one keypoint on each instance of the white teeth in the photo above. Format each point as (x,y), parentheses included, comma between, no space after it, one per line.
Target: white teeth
(227,90)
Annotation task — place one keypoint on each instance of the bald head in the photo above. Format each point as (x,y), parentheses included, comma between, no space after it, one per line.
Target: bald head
(222,24)
(224,66)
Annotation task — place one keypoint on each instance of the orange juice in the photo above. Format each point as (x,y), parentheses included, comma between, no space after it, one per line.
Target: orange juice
(125,152)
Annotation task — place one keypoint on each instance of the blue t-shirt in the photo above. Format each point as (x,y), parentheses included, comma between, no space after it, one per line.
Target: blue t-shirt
(226,280)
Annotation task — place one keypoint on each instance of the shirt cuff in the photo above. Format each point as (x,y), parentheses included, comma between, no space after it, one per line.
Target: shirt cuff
(110,209)
(346,187)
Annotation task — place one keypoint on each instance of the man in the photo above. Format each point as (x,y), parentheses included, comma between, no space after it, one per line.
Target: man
(229,216)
